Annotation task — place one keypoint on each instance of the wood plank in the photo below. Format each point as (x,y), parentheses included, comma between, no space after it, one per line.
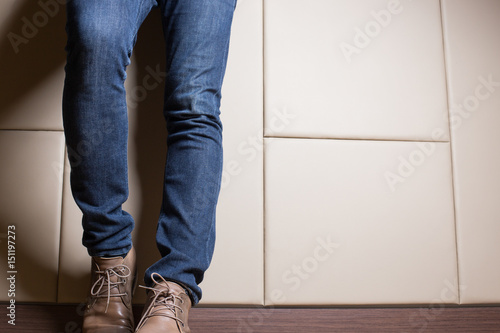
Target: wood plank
(67,318)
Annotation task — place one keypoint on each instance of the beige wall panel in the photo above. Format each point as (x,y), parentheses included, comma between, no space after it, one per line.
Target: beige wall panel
(30,200)
(32,57)
(338,232)
(473,64)
(370,69)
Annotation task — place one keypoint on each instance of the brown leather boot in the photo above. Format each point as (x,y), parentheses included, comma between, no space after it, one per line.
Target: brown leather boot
(109,304)
(166,309)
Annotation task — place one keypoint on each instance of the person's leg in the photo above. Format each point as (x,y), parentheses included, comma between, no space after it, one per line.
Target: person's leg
(101,35)
(197,39)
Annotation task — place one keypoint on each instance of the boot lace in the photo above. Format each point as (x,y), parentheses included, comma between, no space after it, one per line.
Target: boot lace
(162,299)
(103,285)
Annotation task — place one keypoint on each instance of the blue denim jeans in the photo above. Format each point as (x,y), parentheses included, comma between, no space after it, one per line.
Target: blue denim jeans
(101,36)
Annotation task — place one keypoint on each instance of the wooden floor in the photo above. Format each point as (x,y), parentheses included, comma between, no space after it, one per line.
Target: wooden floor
(67,319)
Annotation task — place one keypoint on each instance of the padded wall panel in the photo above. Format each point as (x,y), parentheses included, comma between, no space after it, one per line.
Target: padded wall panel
(472,55)
(30,200)
(340,230)
(355,69)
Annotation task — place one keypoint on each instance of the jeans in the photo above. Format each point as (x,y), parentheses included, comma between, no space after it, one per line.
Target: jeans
(101,36)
